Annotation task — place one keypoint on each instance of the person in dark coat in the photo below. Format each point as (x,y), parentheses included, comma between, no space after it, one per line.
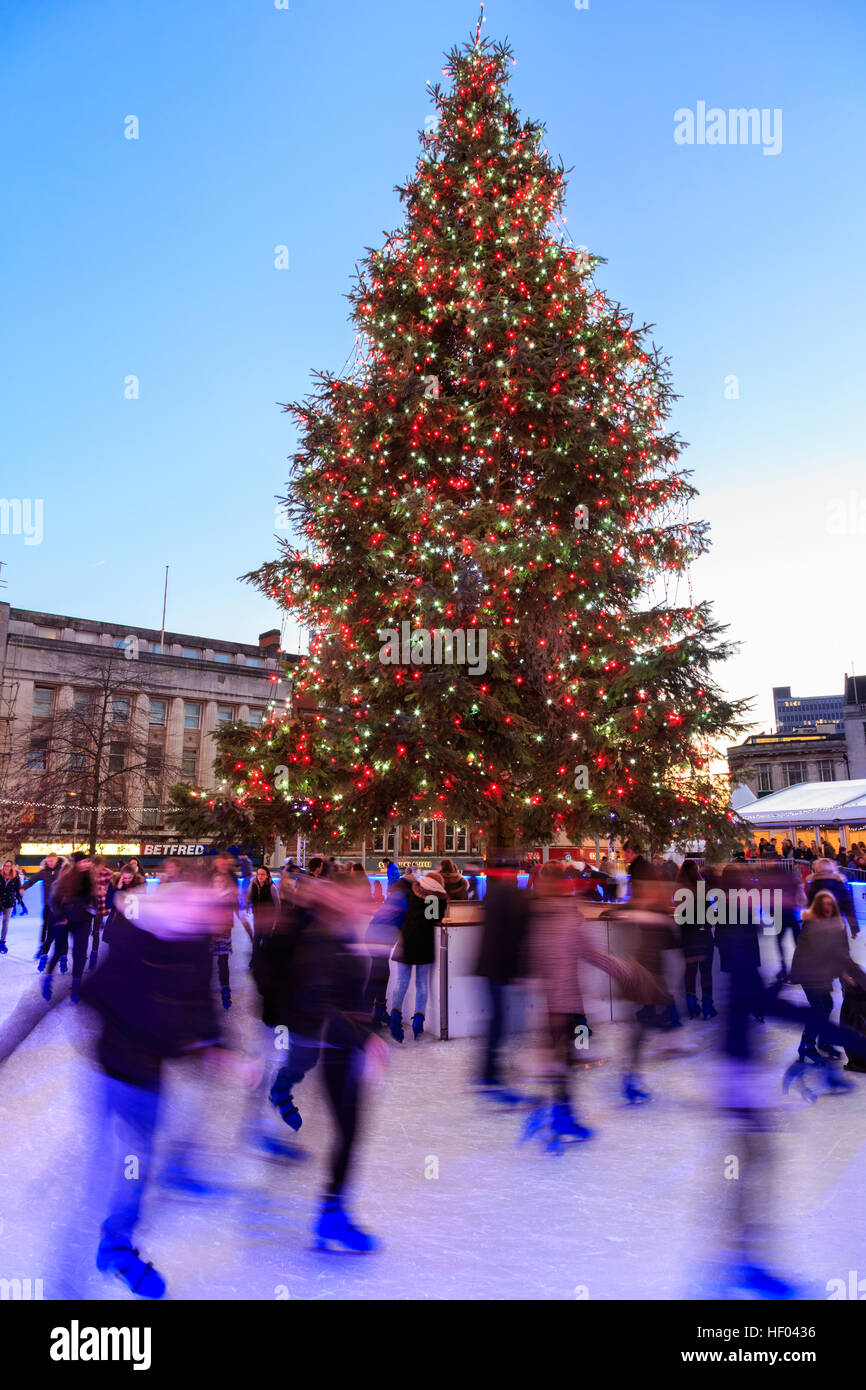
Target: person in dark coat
(153,998)
(640,868)
(284,954)
(48,874)
(261,903)
(826,878)
(501,961)
(381,938)
(456,886)
(698,948)
(822,956)
(118,893)
(10,897)
(73,905)
(416,950)
(310,971)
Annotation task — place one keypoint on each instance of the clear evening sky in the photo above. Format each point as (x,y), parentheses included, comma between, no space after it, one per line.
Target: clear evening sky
(262,127)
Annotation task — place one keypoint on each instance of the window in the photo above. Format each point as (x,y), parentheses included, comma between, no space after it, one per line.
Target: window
(421,837)
(222,656)
(37,756)
(77,760)
(826,771)
(52,633)
(121,707)
(150,814)
(765,778)
(386,840)
(190,651)
(116,758)
(225,714)
(157,711)
(191,715)
(189,764)
(89,637)
(43,702)
(253,661)
(156,648)
(153,761)
(794,773)
(455,839)
(257,718)
(82,703)
(119,642)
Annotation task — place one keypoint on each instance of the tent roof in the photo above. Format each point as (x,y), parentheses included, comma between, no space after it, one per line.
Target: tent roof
(810,803)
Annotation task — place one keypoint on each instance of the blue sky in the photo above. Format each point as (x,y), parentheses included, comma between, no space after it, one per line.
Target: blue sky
(261,127)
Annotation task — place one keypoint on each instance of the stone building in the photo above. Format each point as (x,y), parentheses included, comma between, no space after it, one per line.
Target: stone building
(180,689)
(767,763)
(854,716)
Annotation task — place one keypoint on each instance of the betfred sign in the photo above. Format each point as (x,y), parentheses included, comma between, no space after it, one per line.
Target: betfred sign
(165,851)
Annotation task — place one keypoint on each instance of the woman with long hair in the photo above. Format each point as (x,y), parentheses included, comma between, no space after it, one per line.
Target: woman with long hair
(416,949)
(827,878)
(73,902)
(261,903)
(10,897)
(820,957)
(456,886)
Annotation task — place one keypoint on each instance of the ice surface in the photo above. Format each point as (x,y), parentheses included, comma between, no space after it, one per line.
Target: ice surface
(631,1214)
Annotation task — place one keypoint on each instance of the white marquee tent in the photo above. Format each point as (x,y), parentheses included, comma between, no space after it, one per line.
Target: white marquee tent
(809,804)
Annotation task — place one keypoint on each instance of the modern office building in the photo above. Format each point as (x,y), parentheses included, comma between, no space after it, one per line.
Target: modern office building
(802,712)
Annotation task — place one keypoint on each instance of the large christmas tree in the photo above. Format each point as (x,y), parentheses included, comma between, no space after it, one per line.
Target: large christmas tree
(498,465)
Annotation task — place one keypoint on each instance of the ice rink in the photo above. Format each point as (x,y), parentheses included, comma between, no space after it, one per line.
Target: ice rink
(464,1210)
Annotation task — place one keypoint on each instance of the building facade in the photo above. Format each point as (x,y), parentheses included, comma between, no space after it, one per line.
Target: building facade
(151,703)
(804,712)
(767,763)
(854,716)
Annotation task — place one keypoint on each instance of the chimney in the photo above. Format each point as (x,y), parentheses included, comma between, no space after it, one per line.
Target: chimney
(269,642)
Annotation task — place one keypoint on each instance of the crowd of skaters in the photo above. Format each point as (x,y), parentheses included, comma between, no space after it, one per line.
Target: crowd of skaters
(322,942)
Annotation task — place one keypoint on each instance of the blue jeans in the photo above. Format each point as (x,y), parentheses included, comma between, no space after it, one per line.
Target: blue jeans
(422,985)
(129,1116)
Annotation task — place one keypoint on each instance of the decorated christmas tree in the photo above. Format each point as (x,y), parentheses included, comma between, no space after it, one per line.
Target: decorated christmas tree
(491,537)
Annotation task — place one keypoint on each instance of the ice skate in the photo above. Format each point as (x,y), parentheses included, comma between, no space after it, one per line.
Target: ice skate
(124,1262)
(334,1228)
(632,1092)
(536,1121)
(566,1127)
(284,1102)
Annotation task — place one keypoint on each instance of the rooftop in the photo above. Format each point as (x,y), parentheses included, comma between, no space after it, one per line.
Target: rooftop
(810,803)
